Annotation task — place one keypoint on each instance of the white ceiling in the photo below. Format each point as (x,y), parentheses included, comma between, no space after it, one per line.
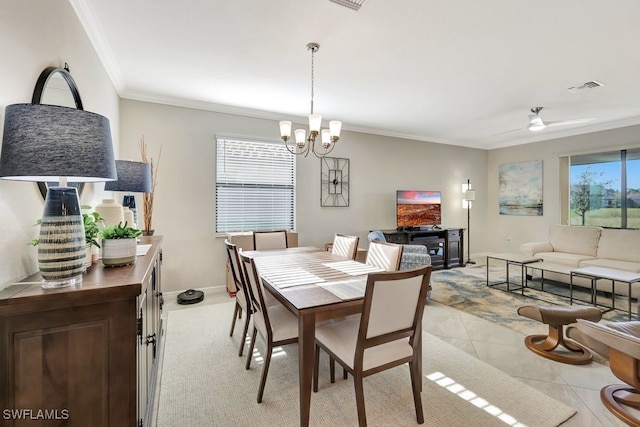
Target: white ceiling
(449,71)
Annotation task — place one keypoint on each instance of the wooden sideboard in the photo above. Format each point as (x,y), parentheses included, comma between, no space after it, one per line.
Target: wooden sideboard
(446,245)
(87,354)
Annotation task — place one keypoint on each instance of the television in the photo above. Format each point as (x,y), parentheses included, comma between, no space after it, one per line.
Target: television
(418,208)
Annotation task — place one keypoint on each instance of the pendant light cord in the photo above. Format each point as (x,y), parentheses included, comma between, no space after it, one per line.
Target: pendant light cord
(313,51)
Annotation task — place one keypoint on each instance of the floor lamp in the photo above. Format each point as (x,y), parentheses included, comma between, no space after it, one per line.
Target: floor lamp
(469,196)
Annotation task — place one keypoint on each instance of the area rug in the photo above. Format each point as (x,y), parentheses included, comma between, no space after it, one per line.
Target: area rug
(204,383)
(466,289)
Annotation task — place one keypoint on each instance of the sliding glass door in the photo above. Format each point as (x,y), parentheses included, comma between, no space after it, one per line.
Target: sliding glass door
(604,189)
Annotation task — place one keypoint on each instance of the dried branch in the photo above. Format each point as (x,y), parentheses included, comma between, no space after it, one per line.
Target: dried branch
(148,197)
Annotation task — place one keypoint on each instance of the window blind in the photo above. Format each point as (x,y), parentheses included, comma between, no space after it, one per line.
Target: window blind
(255,186)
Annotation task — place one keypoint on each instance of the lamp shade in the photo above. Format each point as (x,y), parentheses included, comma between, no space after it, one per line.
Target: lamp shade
(47,142)
(133,176)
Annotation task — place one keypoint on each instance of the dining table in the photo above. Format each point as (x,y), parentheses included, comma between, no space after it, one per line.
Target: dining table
(315,285)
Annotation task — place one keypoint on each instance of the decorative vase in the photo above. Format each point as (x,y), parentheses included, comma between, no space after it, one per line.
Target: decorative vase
(62,245)
(130,202)
(95,253)
(87,256)
(128,217)
(118,252)
(111,211)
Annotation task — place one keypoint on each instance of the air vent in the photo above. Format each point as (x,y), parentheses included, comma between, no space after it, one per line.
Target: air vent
(592,84)
(351,4)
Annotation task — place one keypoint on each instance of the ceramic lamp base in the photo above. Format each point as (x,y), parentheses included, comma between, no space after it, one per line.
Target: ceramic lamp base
(62,246)
(53,284)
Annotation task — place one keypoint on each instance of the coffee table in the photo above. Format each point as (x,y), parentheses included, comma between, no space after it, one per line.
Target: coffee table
(602,273)
(512,259)
(543,267)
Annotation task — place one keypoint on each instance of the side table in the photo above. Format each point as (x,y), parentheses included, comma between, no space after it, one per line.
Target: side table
(512,259)
(597,273)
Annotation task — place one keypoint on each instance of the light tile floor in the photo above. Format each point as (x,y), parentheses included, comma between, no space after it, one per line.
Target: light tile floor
(576,386)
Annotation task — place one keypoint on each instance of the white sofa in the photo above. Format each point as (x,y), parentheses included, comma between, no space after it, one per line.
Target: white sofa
(576,246)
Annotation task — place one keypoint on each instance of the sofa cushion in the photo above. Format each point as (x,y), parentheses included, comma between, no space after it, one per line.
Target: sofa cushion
(623,245)
(532,248)
(572,260)
(611,263)
(574,240)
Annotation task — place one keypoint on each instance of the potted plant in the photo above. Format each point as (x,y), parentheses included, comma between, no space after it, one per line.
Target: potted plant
(119,245)
(92,223)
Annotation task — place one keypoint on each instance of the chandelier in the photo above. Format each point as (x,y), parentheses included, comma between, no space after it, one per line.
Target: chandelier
(307,143)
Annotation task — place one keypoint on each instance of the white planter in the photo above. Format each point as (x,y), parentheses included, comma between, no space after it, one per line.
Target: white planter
(87,257)
(117,252)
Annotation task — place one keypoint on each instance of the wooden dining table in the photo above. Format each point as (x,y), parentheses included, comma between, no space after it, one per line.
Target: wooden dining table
(308,280)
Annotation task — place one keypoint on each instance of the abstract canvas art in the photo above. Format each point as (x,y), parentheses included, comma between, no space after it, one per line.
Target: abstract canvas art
(521,188)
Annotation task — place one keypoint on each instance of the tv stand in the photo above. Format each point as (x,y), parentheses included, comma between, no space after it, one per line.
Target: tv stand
(446,245)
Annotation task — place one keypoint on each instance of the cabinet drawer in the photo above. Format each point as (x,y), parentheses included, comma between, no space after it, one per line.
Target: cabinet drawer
(396,238)
(454,234)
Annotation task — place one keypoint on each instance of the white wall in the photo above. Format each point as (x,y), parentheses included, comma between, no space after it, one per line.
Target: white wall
(37,34)
(184,211)
(524,229)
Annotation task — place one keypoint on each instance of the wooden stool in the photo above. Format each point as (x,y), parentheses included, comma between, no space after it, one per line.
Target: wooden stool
(557,317)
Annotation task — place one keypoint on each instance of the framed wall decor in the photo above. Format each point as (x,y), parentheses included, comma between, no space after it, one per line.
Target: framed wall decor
(521,191)
(334,182)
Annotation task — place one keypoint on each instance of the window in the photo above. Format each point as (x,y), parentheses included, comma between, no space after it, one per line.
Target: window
(255,186)
(605,189)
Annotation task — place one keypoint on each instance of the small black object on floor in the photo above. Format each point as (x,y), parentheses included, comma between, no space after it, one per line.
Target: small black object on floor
(190,296)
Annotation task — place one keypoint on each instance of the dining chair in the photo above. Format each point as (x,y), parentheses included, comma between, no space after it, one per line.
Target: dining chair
(384,255)
(266,240)
(276,325)
(243,303)
(346,246)
(387,333)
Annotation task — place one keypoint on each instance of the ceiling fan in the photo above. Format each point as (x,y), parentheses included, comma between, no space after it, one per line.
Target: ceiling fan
(537,124)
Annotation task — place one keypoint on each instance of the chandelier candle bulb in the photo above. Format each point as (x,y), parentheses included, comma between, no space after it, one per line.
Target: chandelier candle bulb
(326,138)
(315,121)
(334,127)
(285,129)
(301,136)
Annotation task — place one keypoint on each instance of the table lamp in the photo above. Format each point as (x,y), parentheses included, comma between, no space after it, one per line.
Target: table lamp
(53,143)
(133,177)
